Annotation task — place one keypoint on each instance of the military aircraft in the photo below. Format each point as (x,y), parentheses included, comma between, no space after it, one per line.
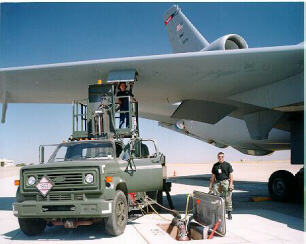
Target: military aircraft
(223,92)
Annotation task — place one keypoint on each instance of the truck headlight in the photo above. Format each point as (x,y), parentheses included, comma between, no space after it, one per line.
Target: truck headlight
(31,180)
(89,178)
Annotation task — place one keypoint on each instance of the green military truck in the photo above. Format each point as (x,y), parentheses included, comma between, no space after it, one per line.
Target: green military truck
(86,181)
(89,178)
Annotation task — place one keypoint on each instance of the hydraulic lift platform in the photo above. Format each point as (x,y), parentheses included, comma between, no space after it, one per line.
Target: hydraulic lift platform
(98,116)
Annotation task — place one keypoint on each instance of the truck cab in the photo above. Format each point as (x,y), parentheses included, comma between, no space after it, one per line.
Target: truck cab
(84,182)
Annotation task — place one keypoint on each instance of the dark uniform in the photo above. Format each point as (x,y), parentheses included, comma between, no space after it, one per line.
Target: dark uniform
(124,107)
(221,185)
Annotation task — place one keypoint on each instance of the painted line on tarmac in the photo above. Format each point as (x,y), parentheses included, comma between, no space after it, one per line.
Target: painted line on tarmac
(141,235)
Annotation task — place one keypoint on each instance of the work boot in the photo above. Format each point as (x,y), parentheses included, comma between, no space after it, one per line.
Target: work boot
(229,214)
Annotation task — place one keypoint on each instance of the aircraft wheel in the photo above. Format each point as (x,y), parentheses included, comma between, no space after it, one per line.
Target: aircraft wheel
(299,186)
(116,223)
(281,186)
(32,227)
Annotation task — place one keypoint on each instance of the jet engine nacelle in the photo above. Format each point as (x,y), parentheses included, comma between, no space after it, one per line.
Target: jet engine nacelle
(228,42)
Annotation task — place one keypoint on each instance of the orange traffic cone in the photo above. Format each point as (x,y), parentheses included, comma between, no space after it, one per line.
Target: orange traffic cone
(174,174)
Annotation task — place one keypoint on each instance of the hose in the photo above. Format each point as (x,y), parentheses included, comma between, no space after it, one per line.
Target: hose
(158,213)
(187,205)
(170,210)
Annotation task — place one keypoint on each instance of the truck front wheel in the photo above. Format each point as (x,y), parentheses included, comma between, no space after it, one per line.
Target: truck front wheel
(32,227)
(116,223)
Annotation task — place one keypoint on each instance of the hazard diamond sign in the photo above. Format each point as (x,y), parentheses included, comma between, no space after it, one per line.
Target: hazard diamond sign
(44,186)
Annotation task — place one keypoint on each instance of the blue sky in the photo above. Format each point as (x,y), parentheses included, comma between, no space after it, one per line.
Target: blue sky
(43,33)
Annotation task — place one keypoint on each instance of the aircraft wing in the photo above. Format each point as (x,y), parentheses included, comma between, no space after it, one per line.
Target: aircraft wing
(221,81)
(202,86)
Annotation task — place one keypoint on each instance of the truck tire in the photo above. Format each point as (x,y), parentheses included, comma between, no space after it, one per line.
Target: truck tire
(116,223)
(32,227)
(19,196)
(281,185)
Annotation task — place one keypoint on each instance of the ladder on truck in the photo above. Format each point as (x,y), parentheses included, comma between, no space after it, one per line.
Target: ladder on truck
(99,115)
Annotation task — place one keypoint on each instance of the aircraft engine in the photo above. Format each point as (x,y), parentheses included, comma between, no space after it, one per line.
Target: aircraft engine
(228,42)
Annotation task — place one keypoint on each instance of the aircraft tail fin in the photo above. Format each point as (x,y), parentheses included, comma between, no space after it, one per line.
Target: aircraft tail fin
(183,36)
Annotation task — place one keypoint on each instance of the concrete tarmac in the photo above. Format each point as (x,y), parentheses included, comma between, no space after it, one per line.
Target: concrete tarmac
(253,222)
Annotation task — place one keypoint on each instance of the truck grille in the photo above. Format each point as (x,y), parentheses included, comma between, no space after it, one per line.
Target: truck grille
(64,179)
(60,197)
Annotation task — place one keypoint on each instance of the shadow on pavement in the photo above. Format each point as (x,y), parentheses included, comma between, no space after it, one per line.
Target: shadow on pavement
(244,191)
(93,232)
(6,203)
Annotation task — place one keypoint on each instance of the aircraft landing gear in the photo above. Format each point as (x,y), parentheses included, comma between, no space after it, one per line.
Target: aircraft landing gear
(284,187)
(299,185)
(281,185)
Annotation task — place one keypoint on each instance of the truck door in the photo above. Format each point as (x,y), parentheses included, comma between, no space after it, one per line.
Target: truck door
(146,173)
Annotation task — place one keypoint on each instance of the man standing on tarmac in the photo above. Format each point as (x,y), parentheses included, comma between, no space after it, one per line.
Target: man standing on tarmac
(221,182)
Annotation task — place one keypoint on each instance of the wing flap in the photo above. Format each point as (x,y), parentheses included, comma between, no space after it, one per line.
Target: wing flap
(202,111)
(269,96)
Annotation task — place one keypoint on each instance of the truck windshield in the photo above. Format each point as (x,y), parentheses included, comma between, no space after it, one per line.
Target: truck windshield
(82,151)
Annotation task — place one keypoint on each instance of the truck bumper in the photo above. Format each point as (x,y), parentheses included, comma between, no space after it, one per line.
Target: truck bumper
(91,208)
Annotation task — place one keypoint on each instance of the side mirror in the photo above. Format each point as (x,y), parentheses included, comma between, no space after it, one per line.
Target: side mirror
(41,154)
(163,160)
